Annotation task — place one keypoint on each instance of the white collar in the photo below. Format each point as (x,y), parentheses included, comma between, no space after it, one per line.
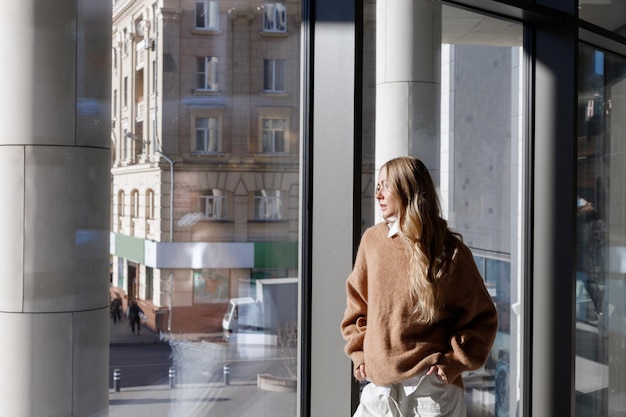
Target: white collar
(393,229)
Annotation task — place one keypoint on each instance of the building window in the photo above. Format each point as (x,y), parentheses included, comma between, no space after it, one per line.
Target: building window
(275,17)
(114,104)
(120,203)
(213,204)
(206,73)
(134,203)
(207,15)
(207,135)
(125,92)
(125,41)
(211,285)
(154,76)
(273,135)
(149,204)
(274,75)
(268,205)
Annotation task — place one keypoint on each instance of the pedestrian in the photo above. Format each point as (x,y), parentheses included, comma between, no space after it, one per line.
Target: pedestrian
(134,316)
(116,309)
(418,313)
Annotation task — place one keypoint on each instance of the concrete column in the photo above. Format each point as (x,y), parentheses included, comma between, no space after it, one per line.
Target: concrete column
(54,210)
(408,66)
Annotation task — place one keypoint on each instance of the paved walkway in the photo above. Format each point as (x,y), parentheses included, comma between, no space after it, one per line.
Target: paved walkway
(239,398)
(121,334)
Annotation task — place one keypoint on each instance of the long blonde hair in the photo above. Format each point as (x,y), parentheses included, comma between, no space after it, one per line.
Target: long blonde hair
(431,243)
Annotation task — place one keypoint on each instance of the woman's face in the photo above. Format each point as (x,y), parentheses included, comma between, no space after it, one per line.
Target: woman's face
(386,200)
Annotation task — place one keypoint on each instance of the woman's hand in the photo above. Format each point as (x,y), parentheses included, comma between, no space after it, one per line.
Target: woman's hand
(436,370)
(359,372)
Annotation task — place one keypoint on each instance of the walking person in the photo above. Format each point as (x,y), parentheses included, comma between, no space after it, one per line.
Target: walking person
(134,316)
(418,313)
(116,309)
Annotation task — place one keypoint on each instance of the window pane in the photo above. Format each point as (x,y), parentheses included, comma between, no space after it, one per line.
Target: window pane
(200,14)
(279,76)
(215,268)
(465,123)
(601,242)
(610,15)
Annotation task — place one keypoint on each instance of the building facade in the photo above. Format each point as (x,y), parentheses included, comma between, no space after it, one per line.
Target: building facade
(205,137)
(153,171)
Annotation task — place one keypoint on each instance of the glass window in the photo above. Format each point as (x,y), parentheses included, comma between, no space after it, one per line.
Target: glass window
(273,135)
(134,203)
(609,15)
(206,73)
(268,205)
(213,204)
(275,17)
(274,75)
(207,15)
(207,134)
(209,244)
(149,204)
(472,144)
(601,235)
(120,203)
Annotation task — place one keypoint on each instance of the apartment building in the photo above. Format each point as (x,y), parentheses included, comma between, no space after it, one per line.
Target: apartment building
(205,154)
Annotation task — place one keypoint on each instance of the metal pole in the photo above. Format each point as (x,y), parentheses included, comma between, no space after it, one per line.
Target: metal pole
(117,380)
(226,374)
(171,290)
(172,376)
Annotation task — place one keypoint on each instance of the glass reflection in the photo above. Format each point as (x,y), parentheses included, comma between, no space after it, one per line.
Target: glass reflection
(601,232)
(607,14)
(204,227)
(477,143)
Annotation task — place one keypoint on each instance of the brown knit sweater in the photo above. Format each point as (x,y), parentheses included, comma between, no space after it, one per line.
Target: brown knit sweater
(377,323)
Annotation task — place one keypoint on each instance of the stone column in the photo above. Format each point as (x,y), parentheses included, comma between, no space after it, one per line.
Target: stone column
(54,211)
(408,66)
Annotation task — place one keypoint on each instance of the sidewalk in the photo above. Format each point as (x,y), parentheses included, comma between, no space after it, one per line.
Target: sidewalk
(120,334)
(239,398)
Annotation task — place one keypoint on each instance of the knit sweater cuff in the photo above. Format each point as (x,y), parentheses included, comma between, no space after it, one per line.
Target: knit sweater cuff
(357,358)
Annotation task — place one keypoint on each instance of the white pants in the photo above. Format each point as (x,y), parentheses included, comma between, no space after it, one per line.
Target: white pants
(423,396)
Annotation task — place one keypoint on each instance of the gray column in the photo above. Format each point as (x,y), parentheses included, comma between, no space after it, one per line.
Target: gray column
(408,78)
(550,332)
(328,228)
(54,214)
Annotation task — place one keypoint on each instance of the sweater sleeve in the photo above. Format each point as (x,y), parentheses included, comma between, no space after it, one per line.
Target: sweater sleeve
(476,325)
(354,323)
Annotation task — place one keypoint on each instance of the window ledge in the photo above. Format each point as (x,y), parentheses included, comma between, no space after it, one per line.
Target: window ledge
(274,34)
(206,32)
(269,221)
(205,153)
(268,93)
(203,92)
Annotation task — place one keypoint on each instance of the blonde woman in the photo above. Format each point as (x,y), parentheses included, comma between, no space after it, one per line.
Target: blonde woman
(418,313)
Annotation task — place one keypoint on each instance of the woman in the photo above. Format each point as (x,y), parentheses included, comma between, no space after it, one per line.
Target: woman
(418,313)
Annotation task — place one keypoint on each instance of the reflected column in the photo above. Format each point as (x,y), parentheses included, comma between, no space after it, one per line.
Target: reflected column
(408,78)
(54,214)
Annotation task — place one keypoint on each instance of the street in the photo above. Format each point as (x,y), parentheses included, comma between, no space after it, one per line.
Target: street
(149,364)
(140,365)
(201,386)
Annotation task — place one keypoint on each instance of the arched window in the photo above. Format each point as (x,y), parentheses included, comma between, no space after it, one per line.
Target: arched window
(149,204)
(120,203)
(134,203)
